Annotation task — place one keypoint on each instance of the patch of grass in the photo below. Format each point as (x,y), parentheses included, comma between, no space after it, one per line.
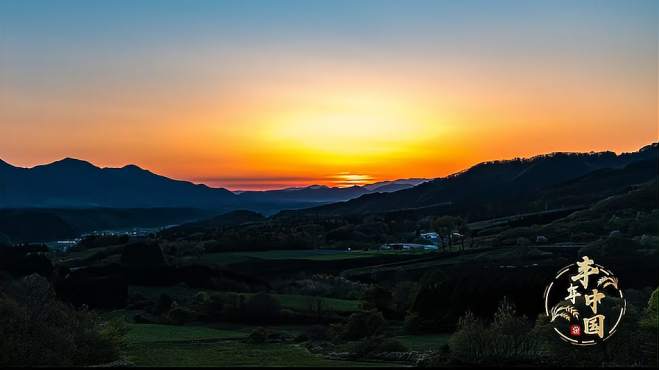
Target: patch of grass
(227,258)
(303,303)
(431,342)
(294,302)
(483,255)
(147,333)
(229,353)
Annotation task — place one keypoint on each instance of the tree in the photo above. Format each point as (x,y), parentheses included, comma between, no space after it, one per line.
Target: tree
(39,330)
(464,229)
(445,226)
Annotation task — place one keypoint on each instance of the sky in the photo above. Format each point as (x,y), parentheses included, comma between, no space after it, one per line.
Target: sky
(262,94)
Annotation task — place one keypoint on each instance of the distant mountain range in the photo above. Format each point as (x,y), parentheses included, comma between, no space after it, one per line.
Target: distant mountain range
(68,197)
(326,194)
(73,183)
(497,188)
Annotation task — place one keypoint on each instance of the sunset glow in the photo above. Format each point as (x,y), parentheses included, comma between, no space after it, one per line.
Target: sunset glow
(246,96)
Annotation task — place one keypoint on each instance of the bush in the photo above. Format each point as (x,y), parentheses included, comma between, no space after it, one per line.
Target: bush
(507,340)
(403,295)
(631,345)
(413,324)
(363,325)
(652,312)
(180,315)
(258,336)
(326,285)
(140,255)
(317,332)
(38,330)
(163,305)
(261,307)
(209,306)
(378,298)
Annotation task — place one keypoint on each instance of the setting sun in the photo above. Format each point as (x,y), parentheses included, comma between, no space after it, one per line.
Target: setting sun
(220,103)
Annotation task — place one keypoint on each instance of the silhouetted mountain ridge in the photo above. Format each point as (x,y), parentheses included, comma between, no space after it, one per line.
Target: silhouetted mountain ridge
(494,184)
(327,194)
(76,183)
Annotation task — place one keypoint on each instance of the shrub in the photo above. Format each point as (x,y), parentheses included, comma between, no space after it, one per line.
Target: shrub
(378,298)
(38,330)
(326,285)
(363,325)
(652,311)
(317,332)
(140,255)
(403,295)
(258,336)
(163,304)
(412,324)
(507,339)
(209,306)
(180,315)
(631,345)
(261,307)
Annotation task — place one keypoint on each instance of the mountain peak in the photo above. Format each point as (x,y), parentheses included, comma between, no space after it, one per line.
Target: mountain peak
(133,167)
(72,163)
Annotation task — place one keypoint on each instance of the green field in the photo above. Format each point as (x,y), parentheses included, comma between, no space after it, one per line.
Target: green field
(168,345)
(486,255)
(430,342)
(293,302)
(146,333)
(227,258)
(302,303)
(232,353)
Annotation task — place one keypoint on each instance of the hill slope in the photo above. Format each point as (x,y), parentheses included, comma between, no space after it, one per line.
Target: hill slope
(76,183)
(492,189)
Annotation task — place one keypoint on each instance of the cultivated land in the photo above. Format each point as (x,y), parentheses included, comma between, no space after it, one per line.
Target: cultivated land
(167,345)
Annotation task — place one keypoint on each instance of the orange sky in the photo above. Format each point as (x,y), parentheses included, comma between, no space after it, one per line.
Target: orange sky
(277,110)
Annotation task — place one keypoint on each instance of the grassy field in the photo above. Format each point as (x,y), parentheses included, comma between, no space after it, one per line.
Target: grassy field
(227,258)
(290,301)
(167,345)
(147,333)
(302,303)
(486,255)
(431,342)
(232,353)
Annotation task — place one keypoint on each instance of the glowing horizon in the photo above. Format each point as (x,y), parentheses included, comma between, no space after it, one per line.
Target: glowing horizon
(250,96)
